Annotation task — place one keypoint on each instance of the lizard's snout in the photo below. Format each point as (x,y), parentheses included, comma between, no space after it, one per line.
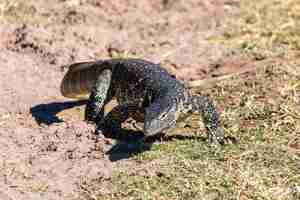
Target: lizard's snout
(156,126)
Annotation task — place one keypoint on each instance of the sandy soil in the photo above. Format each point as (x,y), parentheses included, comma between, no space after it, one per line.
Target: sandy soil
(46,150)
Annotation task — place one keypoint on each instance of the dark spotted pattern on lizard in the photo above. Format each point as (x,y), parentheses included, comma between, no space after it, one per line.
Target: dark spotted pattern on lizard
(139,86)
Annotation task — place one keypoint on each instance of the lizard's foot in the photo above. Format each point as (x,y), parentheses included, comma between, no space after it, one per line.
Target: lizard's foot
(152,138)
(217,136)
(98,131)
(90,116)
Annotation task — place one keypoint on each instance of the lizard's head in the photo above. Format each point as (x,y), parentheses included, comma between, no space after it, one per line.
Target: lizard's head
(159,116)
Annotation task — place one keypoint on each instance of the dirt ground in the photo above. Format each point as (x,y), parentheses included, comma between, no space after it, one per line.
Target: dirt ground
(46,150)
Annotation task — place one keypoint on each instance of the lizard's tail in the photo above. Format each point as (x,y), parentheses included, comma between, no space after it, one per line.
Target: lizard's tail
(79,80)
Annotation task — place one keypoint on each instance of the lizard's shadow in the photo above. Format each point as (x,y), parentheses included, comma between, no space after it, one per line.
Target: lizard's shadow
(128,142)
(132,143)
(46,113)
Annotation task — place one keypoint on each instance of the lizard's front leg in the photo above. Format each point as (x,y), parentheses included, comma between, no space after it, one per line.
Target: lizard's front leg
(210,118)
(99,96)
(111,125)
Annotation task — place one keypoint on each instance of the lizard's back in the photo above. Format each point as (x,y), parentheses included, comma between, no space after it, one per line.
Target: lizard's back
(133,81)
(129,74)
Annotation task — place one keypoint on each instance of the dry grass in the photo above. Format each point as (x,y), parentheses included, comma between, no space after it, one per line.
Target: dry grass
(267,28)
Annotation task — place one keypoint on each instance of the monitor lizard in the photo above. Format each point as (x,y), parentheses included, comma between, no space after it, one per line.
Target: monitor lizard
(141,87)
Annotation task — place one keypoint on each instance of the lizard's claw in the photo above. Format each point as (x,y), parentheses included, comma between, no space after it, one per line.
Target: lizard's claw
(89,116)
(90,119)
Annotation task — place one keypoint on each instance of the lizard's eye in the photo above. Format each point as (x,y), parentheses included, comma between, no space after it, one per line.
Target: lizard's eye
(163,116)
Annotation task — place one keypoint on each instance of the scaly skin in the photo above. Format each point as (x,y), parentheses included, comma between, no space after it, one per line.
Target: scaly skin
(140,87)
